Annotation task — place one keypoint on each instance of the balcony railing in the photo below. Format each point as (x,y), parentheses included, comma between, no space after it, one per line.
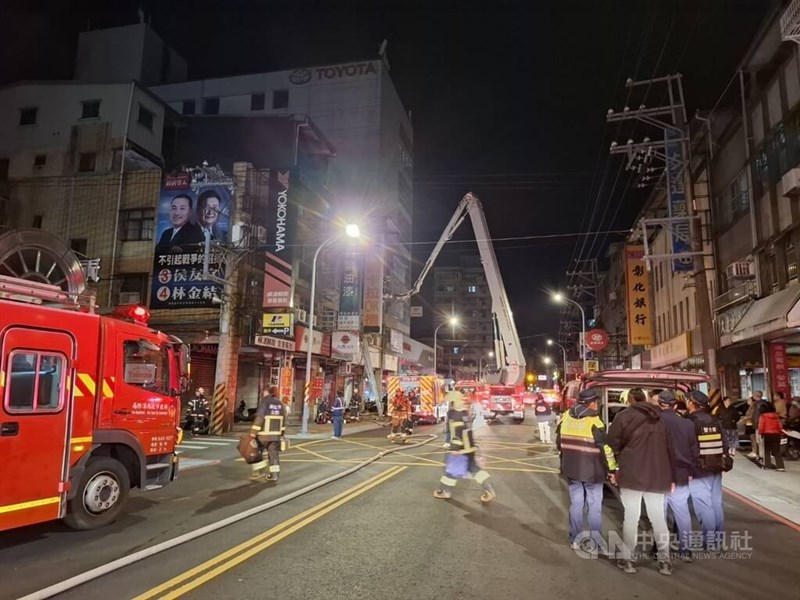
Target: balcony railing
(748,290)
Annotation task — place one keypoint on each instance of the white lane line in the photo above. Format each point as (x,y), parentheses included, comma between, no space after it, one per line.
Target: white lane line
(191,447)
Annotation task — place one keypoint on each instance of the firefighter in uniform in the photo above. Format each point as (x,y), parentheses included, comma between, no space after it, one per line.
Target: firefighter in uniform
(586,462)
(401,416)
(269,428)
(462,442)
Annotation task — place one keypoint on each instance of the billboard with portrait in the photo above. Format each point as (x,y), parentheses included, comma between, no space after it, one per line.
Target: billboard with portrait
(194,207)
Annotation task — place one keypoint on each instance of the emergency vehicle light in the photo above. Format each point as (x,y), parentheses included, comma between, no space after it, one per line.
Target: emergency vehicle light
(133,312)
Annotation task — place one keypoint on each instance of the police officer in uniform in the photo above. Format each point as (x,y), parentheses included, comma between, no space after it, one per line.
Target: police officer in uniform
(586,462)
(462,442)
(269,428)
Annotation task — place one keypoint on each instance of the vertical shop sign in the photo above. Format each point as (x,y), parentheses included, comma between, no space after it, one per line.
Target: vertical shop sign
(194,207)
(350,292)
(373,293)
(678,208)
(637,297)
(285,385)
(281,233)
(780,369)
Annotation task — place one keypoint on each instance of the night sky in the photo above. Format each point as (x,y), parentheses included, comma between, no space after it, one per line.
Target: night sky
(508,98)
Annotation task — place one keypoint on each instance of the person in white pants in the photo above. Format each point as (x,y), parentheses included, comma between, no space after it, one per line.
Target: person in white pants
(544,414)
(646,471)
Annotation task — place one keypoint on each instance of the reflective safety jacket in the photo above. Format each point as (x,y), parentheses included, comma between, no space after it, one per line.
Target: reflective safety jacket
(270,420)
(581,438)
(461,440)
(711,442)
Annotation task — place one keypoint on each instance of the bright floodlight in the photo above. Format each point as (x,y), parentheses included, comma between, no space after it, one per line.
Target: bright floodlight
(558,297)
(352,230)
(546,360)
(453,321)
(491,353)
(549,342)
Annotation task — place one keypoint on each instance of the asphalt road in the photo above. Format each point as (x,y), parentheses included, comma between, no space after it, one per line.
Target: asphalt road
(379,534)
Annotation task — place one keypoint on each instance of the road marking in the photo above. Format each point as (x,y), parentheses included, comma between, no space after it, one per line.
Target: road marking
(317,454)
(762,509)
(261,542)
(193,463)
(191,447)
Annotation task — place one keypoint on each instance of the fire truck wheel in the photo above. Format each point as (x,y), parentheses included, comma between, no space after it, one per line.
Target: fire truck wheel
(101,494)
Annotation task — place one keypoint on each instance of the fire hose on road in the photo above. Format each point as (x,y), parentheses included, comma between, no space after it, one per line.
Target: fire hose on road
(126,561)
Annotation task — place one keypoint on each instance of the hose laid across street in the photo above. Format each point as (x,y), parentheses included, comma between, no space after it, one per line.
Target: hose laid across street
(97,572)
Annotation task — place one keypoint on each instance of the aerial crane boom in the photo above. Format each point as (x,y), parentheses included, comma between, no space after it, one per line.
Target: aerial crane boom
(508,352)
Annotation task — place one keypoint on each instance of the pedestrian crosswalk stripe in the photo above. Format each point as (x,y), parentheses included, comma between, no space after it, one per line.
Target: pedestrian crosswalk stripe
(192,446)
(216,442)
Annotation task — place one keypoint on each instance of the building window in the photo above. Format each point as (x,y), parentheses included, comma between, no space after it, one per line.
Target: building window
(211,106)
(27,116)
(761,169)
(280,99)
(39,160)
(772,272)
(133,289)
(258,101)
(90,109)
(680,310)
(146,118)
(472,289)
(138,224)
(79,245)
(87,162)
(35,382)
(188,107)
(791,263)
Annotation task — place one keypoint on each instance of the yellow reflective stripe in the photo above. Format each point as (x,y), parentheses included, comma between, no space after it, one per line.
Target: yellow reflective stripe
(481,476)
(81,440)
(710,437)
(77,390)
(87,380)
(448,481)
(108,391)
(274,468)
(2,379)
(28,505)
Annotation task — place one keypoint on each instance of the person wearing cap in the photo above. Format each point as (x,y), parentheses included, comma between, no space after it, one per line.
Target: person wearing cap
(646,471)
(586,462)
(684,443)
(706,486)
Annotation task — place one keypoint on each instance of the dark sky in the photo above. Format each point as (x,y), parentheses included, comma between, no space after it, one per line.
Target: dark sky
(508,97)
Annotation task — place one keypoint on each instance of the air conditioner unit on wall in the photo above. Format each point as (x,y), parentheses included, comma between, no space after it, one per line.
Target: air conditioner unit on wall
(790,182)
(740,270)
(130,298)
(301,315)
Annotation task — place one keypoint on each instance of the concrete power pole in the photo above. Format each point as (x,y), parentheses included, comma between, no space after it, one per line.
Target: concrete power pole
(674,151)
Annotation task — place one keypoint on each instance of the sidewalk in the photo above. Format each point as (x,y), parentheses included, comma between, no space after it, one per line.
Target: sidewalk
(316,431)
(777,492)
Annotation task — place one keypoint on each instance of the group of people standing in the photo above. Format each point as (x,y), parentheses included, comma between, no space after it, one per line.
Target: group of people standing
(655,456)
(764,421)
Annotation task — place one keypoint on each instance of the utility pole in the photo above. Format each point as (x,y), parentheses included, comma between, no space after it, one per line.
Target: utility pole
(674,153)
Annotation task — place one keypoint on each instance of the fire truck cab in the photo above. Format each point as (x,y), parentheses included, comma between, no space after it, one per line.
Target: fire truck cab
(89,406)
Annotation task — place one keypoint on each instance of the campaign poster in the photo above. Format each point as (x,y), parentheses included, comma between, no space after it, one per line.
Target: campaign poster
(194,207)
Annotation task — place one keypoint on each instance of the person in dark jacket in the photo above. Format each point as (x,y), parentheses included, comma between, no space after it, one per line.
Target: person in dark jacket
(729,419)
(646,471)
(544,415)
(586,462)
(706,485)
(759,403)
(269,427)
(770,428)
(684,443)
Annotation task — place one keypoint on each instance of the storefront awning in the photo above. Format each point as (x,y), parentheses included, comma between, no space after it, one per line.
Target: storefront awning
(768,315)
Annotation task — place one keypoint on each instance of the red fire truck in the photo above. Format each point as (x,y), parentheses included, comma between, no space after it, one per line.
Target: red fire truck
(90,406)
(496,400)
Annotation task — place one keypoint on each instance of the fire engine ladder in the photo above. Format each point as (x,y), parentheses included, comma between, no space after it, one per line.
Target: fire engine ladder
(371,377)
(34,292)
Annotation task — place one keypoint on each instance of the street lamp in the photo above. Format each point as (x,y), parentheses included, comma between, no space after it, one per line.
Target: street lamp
(480,363)
(546,360)
(560,298)
(563,352)
(453,321)
(352,231)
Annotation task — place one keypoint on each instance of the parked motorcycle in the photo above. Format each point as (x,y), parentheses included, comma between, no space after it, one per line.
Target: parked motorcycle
(323,414)
(792,433)
(244,414)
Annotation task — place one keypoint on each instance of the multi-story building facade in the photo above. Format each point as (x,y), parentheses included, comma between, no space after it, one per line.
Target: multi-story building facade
(755,185)
(61,169)
(462,291)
